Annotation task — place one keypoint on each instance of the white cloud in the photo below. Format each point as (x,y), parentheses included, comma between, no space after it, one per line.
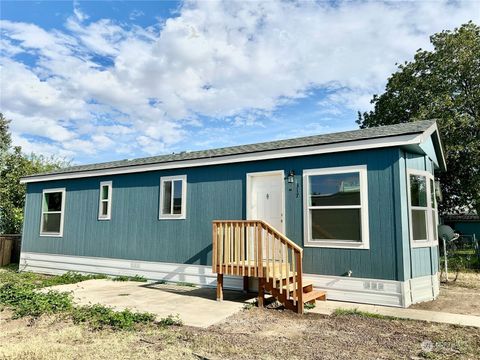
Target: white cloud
(103,85)
(79,14)
(135,14)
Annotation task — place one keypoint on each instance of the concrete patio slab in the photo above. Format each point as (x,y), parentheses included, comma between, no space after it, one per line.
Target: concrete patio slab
(195,306)
(328,307)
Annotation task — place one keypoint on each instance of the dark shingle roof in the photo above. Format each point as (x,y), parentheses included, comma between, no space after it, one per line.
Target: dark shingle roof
(340,137)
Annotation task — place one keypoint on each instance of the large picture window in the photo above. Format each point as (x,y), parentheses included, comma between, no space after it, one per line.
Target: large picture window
(336,208)
(422,208)
(105,201)
(53,206)
(173,192)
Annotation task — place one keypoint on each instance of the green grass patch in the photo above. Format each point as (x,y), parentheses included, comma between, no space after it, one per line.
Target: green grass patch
(70,278)
(185,284)
(171,320)
(10,274)
(309,306)
(20,292)
(25,300)
(138,278)
(363,314)
(99,317)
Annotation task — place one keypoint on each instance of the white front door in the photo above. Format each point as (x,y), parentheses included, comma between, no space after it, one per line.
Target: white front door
(265,198)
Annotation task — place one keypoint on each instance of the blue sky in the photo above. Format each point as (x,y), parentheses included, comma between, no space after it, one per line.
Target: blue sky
(96,81)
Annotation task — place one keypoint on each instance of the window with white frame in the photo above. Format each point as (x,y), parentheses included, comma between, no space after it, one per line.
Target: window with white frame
(336,207)
(423,208)
(173,193)
(105,201)
(53,207)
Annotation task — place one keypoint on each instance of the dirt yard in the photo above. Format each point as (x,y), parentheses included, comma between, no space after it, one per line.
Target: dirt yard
(249,334)
(458,297)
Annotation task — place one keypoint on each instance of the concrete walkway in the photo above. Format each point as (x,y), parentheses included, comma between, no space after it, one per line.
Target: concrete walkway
(328,307)
(198,306)
(195,306)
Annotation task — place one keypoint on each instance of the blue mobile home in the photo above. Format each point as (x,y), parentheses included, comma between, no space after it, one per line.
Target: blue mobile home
(360,205)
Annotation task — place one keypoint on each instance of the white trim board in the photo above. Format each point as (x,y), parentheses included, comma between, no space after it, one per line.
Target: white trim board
(359,290)
(399,140)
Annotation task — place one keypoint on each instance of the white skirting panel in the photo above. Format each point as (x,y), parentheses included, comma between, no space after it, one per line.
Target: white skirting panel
(424,288)
(155,271)
(368,291)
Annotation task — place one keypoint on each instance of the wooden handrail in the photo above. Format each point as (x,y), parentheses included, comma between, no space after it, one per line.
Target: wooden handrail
(255,248)
(265,224)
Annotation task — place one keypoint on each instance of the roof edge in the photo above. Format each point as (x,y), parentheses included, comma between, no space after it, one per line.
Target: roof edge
(342,146)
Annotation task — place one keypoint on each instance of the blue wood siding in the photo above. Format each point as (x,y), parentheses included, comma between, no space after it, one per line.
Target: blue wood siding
(218,192)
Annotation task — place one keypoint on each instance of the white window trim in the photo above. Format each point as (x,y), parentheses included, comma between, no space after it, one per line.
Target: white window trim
(181,216)
(62,212)
(342,244)
(108,200)
(431,241)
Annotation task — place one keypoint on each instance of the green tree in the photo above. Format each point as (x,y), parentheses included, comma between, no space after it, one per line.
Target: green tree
(442,84)
(13,166)
(5,138)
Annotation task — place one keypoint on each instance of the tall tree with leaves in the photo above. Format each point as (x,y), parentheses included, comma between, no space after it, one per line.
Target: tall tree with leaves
(14,165)
(442,84)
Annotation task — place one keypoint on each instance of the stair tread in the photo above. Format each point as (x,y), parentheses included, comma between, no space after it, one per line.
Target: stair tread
(313,295)
(293,286)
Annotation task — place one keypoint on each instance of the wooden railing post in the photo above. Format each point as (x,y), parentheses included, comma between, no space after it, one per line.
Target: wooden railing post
(221,258)
(219,287)
(260,250)
(261,291)
(298,275)
(214,247)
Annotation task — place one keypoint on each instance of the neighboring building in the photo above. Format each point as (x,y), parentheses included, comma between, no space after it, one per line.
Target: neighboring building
(360,203)
(464,224)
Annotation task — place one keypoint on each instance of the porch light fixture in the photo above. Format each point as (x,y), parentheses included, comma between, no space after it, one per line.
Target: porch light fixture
(291,177)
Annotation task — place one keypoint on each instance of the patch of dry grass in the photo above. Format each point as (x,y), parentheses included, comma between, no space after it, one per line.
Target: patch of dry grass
(470,280)
(251,334)
(51,337)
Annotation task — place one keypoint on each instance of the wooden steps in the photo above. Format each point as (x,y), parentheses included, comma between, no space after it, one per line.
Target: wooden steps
(313,295)
(253,248)
(288,296)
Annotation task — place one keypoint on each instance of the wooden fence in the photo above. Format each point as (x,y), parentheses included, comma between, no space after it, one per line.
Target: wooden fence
(10,245)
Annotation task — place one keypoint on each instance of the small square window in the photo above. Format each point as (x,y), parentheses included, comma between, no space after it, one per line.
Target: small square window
(173,190)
